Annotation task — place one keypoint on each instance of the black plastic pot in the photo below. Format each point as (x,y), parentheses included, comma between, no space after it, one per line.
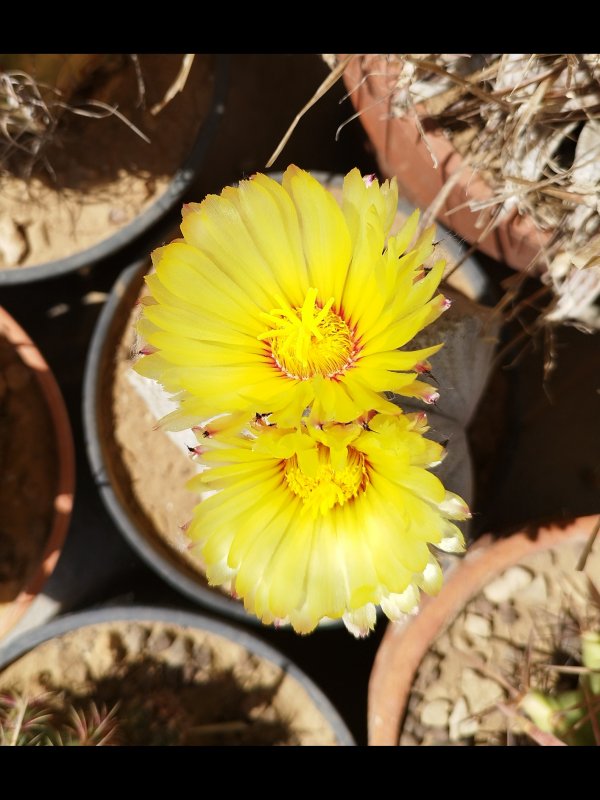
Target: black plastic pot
(161,206)
(72,622)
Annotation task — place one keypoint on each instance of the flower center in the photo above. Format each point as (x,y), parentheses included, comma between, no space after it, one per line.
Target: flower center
(327,487)
(310,340)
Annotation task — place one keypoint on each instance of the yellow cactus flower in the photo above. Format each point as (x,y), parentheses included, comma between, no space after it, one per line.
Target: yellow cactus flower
(320,522)
(277,299)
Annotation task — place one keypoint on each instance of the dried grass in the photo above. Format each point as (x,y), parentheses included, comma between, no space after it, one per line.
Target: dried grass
(35,95)
(530,125)
(27,118)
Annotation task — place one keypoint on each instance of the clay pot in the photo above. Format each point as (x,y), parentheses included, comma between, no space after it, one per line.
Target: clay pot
(153,212)
(404,646)
(401,151)
(58,459)
(170,670)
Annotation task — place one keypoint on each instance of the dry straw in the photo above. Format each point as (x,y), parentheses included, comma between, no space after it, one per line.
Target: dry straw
(529,124)
(37,89)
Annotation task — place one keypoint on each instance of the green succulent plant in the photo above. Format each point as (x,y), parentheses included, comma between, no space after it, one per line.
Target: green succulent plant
(574,715)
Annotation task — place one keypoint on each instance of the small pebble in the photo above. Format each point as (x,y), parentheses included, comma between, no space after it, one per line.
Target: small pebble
(460,724)
(203,656)
(160,641)
(507,585)
(480,692)
(13,244)
(436,713)
(477,625)
(134,638)
(117,216)
(507,613)
(536,592)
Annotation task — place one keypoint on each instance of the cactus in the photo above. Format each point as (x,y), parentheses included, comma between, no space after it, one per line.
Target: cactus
(41,721)
(573,716)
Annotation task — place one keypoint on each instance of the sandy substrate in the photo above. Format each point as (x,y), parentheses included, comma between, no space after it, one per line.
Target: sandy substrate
(174,685)
(154,467)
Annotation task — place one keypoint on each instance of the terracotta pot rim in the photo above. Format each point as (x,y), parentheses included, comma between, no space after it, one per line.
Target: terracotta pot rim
(170,616)
(65,476)
(376,113)
(403,647)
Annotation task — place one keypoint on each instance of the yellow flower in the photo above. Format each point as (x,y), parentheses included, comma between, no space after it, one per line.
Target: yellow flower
(277,300)
(316,522)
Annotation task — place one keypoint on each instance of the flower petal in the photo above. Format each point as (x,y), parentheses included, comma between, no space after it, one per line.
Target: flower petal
(325,237)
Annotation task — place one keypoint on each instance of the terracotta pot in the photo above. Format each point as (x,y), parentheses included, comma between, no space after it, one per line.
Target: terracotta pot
(401,151)
(64,471)
(404,646)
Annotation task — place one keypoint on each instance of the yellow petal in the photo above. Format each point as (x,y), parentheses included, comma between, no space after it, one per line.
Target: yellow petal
(325,237)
